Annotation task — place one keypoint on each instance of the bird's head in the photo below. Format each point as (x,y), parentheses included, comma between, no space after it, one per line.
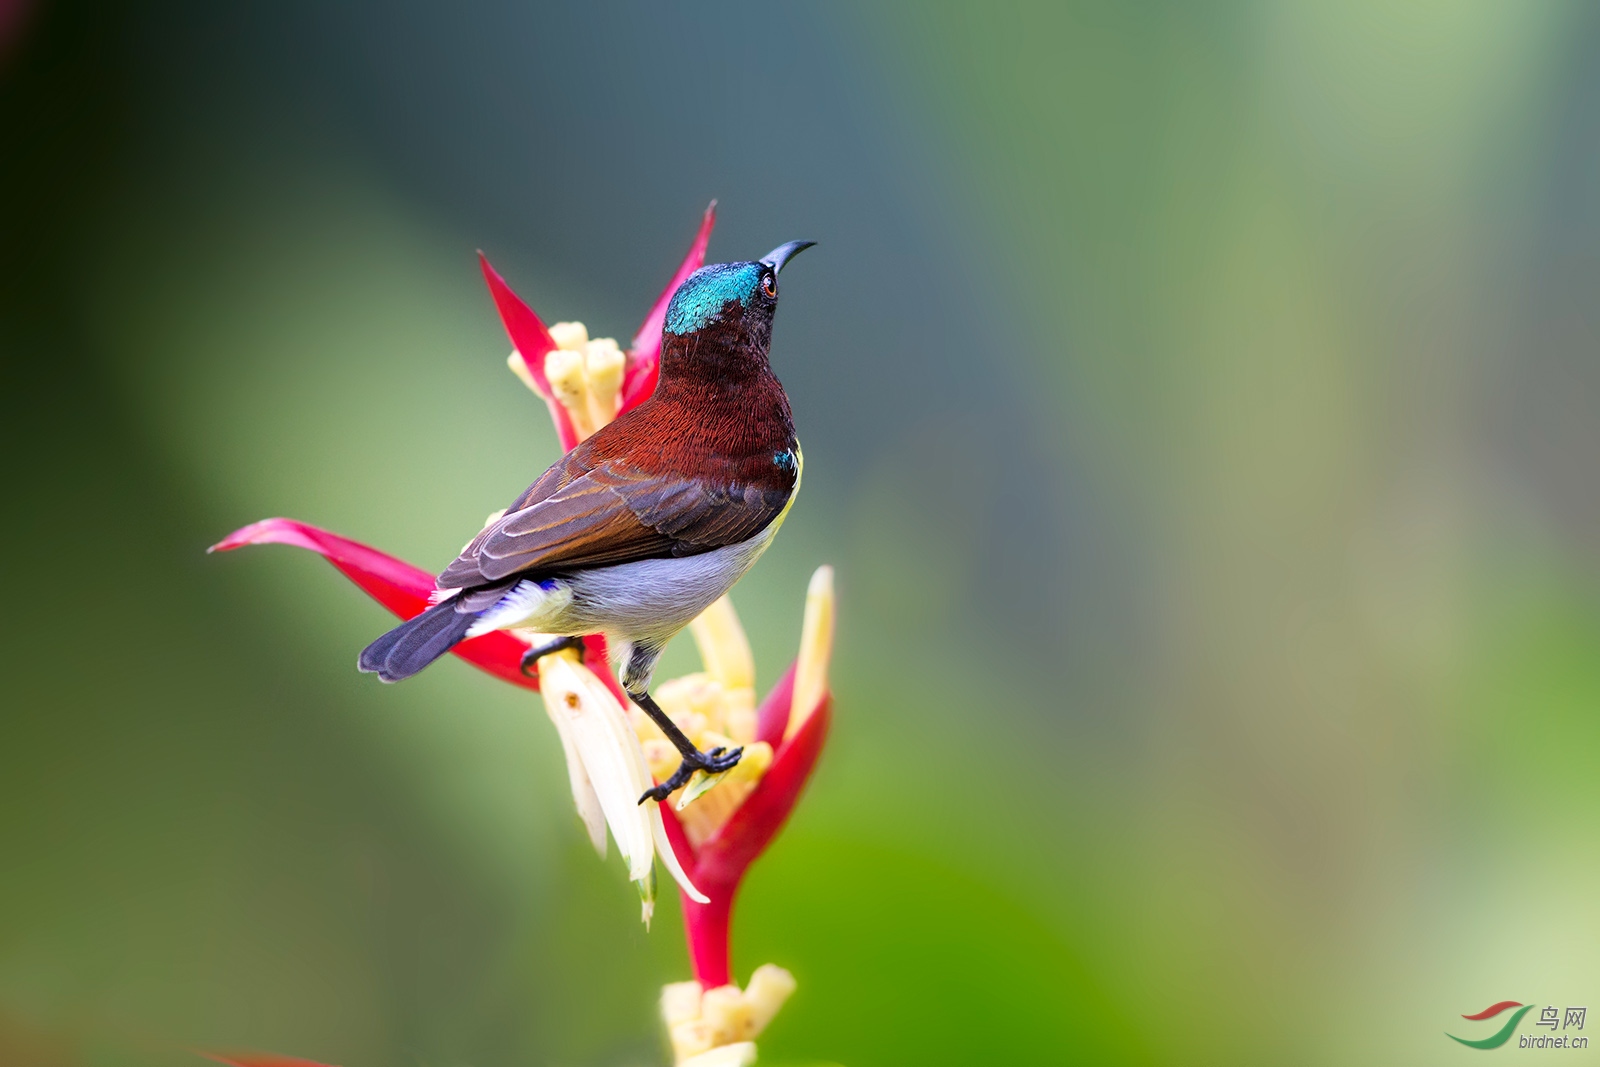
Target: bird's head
(725,310)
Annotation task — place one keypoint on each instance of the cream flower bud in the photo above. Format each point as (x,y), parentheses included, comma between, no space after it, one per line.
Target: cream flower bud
(604,363)
(691,1039)
(584,375)
(719,1026)
(660,756)
(770,987)
(564,370)
(520,369)
(691,695)
(571,336)
(688,703)
(728,1014)
(680,1001)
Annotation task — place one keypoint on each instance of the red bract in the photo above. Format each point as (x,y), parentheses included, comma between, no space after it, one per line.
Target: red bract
(719,864)
(644,357)
(533,341)
(404,590)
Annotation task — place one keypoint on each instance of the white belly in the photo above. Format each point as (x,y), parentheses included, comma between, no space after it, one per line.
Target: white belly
(645,601)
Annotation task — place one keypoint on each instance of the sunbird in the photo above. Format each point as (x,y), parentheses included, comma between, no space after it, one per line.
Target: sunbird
(644,524)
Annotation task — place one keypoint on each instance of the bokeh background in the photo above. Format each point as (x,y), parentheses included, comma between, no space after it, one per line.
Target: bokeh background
(1200,407)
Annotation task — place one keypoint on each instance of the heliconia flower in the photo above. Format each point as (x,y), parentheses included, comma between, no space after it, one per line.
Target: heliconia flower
(399,586)
(586,383)
(721,831)
(719,824)
(724,821)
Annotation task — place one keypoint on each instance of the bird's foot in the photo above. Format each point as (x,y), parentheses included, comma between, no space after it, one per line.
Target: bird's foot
(531,658)
(713,762)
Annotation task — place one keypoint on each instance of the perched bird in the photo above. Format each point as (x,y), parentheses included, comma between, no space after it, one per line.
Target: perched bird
(643,525)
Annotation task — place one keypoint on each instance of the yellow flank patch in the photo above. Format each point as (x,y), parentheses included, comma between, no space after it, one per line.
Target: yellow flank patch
(799,473)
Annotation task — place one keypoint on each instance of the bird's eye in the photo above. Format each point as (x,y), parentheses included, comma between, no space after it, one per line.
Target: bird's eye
(769,285)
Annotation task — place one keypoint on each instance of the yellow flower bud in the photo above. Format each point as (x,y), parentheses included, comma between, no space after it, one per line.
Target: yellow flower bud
(816,648)
(770,986)
(724,648)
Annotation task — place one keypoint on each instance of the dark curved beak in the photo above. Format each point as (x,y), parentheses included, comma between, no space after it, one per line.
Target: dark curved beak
(784,253)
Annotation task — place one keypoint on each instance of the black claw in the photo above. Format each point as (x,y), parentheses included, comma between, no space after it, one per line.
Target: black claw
(712,762)
(660,793)
(531,657)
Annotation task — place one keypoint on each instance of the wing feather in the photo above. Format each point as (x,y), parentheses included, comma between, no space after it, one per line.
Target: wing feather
(614,513)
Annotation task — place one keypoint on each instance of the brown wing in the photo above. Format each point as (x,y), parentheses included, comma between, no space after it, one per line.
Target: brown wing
(614,513)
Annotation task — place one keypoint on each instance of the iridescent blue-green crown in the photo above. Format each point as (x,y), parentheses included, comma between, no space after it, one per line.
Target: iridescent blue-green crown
(700,299)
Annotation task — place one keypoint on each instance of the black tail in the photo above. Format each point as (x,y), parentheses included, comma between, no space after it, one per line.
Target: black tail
(417,642)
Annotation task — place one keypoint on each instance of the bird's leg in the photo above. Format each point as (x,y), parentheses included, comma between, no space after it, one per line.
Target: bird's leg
(531,657)
(713,762)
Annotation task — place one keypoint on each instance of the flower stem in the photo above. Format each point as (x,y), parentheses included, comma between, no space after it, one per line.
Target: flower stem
(707,928)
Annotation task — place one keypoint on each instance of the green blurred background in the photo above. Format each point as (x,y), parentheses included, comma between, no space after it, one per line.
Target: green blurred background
(1200,407)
